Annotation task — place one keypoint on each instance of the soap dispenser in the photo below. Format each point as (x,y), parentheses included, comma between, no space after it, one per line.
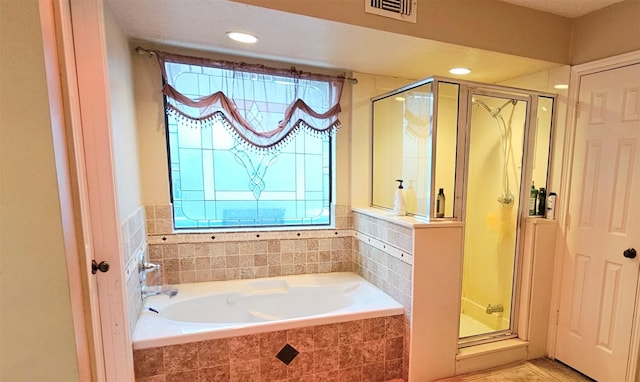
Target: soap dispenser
(399,202)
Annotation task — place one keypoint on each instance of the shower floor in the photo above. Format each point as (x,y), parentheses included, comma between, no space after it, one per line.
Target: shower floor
(472,327)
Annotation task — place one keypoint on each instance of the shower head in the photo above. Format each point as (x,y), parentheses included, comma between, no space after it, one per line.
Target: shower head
(506,198)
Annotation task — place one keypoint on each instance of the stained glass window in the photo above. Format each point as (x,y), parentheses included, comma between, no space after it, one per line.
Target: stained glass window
(217,180)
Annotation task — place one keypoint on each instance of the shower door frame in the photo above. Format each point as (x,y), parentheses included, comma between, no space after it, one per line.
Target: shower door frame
(467,91)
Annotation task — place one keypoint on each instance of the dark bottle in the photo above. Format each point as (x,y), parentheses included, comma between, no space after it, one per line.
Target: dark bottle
(440,200)
(542,201)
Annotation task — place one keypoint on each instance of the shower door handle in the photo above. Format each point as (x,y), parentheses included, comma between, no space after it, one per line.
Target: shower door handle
(630,253)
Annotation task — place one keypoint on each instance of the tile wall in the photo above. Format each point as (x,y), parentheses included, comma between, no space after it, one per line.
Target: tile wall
(369,350)
(384,256)
(134,245)
(196,257)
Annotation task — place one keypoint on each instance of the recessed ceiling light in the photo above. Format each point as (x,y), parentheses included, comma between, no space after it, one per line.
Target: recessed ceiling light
(242,37)
(561,86)
(459,71)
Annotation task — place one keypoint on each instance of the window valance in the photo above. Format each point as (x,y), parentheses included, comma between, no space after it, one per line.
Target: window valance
(263,107)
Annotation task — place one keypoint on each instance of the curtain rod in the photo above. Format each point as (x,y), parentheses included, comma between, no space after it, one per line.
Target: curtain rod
(150,53)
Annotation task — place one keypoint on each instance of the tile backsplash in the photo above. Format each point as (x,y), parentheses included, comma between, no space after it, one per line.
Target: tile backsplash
(217,256)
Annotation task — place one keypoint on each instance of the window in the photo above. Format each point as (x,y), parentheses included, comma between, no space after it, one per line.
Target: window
(220,177)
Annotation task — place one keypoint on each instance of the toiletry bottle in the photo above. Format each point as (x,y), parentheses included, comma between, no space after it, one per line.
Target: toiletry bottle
(532,199)
(551,206)
(399,203)
(542,198)
(440,199)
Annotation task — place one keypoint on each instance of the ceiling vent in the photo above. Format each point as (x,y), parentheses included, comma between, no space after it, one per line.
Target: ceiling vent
(404,10)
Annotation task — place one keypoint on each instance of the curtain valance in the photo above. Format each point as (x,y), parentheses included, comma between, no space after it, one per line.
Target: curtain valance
(263,107)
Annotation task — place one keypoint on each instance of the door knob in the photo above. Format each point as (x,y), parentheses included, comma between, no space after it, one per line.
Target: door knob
(102,267)
(630,253)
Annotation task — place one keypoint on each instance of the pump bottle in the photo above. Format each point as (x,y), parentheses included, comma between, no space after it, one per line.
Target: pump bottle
(399,202)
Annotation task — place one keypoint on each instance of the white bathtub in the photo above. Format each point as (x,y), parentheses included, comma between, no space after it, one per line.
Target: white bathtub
(220,309)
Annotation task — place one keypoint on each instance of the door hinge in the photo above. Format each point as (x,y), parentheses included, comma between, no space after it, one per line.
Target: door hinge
(557,319)
(577,110)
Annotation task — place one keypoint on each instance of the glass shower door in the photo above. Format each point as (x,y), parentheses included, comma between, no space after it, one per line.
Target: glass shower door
(494,170)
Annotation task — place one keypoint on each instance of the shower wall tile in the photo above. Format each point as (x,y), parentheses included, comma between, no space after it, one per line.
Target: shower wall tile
(326,352)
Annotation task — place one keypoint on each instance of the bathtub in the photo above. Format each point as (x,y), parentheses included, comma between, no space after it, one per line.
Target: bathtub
(221,309)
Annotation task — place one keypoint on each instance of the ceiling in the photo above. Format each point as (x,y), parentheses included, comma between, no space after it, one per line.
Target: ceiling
(567,8)
(202,25)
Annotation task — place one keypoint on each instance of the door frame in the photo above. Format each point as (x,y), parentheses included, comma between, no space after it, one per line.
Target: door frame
(59,109)
(577,72)
(83,72)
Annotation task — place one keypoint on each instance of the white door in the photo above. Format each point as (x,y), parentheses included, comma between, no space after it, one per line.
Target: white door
(599,283)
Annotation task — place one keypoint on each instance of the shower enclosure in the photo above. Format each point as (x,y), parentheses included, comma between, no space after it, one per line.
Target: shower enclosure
(483,146)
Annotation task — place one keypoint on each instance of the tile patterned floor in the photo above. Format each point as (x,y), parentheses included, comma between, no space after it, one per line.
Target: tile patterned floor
(538,370)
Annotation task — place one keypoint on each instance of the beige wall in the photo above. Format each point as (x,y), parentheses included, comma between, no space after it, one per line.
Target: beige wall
(607,32)
(496,26)
(123,117)
(488,24)
(36,333)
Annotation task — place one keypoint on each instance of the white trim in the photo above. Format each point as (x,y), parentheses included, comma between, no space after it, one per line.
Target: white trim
(73,250)
(562,205)
(100,216)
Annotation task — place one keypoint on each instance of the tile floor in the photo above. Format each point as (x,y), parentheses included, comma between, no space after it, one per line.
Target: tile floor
(537,370)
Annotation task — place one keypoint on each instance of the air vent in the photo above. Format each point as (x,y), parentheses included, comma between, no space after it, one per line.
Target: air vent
(404,10)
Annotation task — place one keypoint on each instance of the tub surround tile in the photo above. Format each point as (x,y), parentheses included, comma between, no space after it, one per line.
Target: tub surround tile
(301,366)
(179,358)
(350,356)
(244,348)
(326,360)
(373,352)
(183,376)
(395,326)
(375,328)
(351,332)
(301,339)
(326,336)
(373,372)
(245,371)
(155,378)
(148,362)
(213,352)
(332,376)
(271,369)
(393,369)
(333,352)
(219,373)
